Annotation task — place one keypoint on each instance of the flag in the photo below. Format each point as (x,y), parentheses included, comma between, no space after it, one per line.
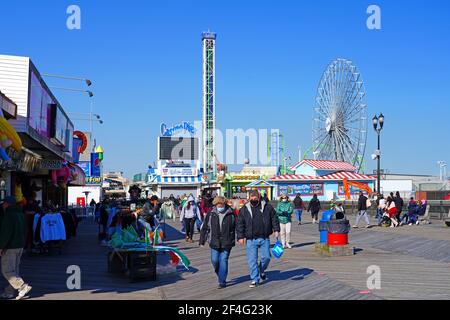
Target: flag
(176,255)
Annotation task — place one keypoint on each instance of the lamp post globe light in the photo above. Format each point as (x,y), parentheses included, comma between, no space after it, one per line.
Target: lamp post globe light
(378,123)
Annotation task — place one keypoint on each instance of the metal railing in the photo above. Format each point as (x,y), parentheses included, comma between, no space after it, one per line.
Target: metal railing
(82,212)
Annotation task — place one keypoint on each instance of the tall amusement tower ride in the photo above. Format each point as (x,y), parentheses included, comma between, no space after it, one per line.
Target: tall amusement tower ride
(209,104)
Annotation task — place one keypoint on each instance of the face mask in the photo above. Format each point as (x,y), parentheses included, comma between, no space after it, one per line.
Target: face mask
(284,200)
(221,210)
(254,202)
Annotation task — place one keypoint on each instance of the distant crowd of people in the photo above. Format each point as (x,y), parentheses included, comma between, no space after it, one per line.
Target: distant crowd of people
(223,223)
(389,210)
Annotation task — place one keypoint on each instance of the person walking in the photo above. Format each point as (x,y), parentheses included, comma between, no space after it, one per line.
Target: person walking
(12,242)
(314,208)
(362,210)
(189,214)
(265,197)
(219,230)
(399,205)
(257,220)
(299,206)
(284,213)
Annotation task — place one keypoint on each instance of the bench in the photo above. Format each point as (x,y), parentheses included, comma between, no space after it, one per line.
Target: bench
(425,219)
(447,221)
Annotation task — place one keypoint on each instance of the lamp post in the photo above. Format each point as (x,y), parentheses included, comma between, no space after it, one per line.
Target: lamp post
(91,118)
(442,170)
(88,82)
(90,93)
(378,122)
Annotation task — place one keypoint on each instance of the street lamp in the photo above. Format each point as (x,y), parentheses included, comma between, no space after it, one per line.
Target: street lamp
(378,122)
(88,82)
(442,170)
(90,93)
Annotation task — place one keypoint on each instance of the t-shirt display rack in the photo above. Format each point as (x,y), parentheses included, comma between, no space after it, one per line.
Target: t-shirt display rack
(51,230)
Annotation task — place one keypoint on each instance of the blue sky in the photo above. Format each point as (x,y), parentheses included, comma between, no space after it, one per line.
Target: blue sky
(144,58)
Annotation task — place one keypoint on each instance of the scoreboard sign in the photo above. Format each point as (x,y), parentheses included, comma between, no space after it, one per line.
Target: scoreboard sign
(178,148)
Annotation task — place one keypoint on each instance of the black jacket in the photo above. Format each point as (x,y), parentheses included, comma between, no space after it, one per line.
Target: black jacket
(245,222)
(362,203)
(298,203)
(314,205)
(399,203)
(225,239)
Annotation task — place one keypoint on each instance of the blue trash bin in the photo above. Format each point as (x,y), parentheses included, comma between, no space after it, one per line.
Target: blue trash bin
(323,228)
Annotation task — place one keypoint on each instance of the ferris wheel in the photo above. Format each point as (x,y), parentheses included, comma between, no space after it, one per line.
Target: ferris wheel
(340,115)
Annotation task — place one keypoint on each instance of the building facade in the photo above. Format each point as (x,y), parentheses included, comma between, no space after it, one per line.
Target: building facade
(322,178)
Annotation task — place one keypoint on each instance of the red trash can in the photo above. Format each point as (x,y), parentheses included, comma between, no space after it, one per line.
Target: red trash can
(337,239)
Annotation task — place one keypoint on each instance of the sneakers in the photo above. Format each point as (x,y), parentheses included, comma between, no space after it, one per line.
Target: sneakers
(289,246)
(263,278)
(221,286)
(253,284)
(355,226)
(368,226)
(23,292)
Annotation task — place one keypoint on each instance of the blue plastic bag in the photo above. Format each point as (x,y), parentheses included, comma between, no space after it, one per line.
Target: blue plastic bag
(277,249)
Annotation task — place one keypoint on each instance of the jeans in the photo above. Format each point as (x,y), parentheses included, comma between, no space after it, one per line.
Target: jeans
(219,260)
(379,216)
(361,214)
(10,270)
(298,214)
(255,267)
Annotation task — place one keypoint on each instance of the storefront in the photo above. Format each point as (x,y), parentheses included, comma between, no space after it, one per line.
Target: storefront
(178,186)
(44,129)
(322,178)
(263,186)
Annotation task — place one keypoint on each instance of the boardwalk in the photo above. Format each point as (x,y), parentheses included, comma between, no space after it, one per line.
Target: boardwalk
(414,262)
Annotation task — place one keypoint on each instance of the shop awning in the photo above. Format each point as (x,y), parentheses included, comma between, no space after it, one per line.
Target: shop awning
(80,176)
(260,183)
(178,180)
(338,176)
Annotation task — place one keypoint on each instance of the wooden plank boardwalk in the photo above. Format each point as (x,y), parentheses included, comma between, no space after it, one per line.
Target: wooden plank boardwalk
(414,263)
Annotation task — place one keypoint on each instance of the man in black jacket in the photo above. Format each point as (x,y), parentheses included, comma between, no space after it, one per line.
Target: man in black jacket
(399,203)
(362,210)
(257,220)
(219,230)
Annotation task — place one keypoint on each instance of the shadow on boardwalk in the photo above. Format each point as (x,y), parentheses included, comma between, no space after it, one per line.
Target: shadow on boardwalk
(277,275)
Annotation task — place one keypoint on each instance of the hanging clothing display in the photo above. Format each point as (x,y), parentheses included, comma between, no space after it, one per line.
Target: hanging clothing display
(52,227)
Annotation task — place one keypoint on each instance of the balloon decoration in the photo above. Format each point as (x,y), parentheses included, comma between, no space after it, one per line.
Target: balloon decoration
(99,150)
(62,176)
(8,138)
(18,194)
